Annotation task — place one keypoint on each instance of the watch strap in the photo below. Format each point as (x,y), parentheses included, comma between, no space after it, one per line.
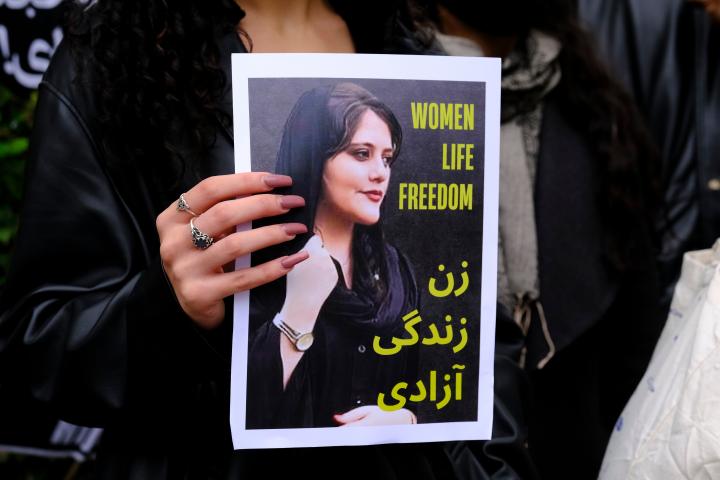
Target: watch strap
(292,334)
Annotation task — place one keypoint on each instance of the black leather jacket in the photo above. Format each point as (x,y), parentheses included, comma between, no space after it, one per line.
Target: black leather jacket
(667,53)
(90,326)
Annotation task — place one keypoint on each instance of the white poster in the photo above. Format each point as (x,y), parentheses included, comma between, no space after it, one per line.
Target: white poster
(385,334)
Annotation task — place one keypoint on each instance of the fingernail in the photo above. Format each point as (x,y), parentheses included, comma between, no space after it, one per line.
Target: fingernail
(292,260)
(275,181)
(294,228)
(292,201)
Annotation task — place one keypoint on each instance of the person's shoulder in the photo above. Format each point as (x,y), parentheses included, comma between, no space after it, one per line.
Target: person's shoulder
(63,70)
(68,80)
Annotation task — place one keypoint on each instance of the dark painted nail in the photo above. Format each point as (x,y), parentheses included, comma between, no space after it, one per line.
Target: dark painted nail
(294,228)
(276,181)
(292,201)
(292,260)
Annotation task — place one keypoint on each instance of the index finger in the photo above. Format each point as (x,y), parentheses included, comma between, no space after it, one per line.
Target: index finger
(215,189)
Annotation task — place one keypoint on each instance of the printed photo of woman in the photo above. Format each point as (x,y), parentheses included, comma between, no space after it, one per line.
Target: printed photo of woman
(311,361)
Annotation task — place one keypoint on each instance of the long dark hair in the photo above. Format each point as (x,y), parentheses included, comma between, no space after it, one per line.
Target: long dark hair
(321,125)
(593,101)
(154,70)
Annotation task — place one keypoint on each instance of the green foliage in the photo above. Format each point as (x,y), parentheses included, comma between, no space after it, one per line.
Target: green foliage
(15,125)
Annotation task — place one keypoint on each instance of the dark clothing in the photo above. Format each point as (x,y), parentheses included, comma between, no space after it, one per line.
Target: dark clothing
(90,326)
(340,372)
(667,54)
(604,325)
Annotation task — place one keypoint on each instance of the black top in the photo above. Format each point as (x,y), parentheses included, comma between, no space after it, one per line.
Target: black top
(667,54)
(340,371)
(604,325)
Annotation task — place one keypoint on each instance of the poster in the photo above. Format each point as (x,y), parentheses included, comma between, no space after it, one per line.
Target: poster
(385,334)
(30,31)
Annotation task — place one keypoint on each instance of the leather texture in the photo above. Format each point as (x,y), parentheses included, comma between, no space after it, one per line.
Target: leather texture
(90,326)
(667,54)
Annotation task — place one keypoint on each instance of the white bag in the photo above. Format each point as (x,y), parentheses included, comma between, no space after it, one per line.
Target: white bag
(670,428)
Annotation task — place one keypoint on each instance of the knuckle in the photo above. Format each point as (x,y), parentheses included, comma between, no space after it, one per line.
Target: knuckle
(278,235)
(189,293)
(182,291)
(258,181)
(183,267)
(271,203)
(242,281)
(205,187)
(172,275)
(259,205)
(222,213)
(170,247)
(245,179)
(166,252)
(237,246)
(160,221)
(253,181)
(271,270)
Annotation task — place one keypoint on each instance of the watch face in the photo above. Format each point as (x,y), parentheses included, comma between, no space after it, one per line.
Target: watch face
(304,342)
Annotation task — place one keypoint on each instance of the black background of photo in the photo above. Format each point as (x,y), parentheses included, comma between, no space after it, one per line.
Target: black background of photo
(428,238)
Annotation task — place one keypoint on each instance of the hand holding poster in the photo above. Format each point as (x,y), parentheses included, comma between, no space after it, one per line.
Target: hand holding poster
(388,324)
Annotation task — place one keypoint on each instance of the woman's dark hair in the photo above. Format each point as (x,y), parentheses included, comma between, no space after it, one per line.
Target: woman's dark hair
(594,102)
(346,106)
(321,125)
(154,69)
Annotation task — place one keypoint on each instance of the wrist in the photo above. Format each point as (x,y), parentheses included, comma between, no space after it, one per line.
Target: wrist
(301,340)
(298,318)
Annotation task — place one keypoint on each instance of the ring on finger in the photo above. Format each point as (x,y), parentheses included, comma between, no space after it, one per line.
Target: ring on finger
(183,206)
(200,239)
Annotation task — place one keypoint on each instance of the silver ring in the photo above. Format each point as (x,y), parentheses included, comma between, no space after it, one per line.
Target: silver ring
(182,206)
(200,239)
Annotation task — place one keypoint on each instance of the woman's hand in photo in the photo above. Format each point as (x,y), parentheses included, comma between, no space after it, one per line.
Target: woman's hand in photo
(308,286)
(193,258)
(369,415)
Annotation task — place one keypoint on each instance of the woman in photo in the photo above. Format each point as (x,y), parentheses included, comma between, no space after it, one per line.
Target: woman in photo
(316,328)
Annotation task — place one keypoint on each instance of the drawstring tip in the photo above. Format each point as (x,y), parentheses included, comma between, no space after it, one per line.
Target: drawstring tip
(522,314)
(546,333)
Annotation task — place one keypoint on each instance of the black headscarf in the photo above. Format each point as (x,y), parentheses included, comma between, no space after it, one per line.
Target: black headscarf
(383,283)
(308,140)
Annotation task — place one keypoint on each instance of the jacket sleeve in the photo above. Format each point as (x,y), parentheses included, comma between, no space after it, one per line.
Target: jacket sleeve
(88,321)
(505,456)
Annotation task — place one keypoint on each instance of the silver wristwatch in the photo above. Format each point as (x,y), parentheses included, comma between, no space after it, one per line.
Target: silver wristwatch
(301,341)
